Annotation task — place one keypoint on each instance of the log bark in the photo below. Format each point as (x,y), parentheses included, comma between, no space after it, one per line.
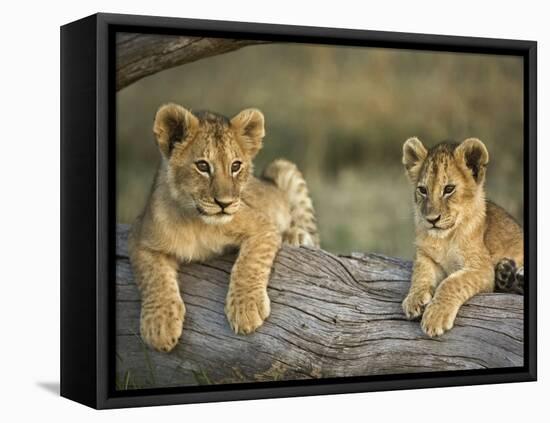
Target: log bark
(331,316)
(141,55)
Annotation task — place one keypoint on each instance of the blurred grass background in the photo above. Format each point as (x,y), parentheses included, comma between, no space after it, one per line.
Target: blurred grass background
(342,114)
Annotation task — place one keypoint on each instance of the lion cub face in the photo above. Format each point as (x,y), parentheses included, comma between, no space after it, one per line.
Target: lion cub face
(208,158)
(448,183)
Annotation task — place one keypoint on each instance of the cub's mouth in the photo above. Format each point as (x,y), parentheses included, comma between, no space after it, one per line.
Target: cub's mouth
(219,212)
(439,230)
(215,215)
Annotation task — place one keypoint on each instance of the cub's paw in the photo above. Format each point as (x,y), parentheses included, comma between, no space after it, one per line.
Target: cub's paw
(508,277)
(505,275)
(519,280)
(161,326)
(246,311)
(297,237)
(413,305)
(438,319)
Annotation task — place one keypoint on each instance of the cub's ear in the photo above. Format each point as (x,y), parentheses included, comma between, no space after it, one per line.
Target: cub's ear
(473,154)
(414,154)
(173,124)
(250,130)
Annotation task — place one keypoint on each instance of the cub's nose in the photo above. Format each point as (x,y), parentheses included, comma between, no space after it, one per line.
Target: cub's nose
(433,220)
(223,202)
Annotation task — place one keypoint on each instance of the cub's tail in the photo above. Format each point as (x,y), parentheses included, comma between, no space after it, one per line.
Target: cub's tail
(303,225)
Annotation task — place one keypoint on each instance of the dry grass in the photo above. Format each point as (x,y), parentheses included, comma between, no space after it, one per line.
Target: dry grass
(342,114)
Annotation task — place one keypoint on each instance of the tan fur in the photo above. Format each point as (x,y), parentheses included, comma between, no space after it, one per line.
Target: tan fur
(460,236)
(303,225)
(193,214)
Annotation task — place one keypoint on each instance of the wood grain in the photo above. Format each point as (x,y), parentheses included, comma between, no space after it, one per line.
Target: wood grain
(331,316)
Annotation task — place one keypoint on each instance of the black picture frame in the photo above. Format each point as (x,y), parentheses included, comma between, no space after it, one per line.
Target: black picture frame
(88,209)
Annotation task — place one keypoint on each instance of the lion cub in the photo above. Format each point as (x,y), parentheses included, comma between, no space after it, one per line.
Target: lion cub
(204,200)
(463,241)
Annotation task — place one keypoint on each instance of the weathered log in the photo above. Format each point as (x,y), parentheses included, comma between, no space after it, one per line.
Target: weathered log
(141,55)
(330,316)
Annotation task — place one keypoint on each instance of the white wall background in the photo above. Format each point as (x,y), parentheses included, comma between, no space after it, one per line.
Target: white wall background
(29,237)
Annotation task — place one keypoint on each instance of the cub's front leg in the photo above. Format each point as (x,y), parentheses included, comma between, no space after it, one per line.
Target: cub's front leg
(426,275)
(247,304)
(454,291)
(162,309)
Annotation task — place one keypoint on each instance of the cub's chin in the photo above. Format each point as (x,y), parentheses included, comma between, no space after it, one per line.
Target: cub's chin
(438,232)
(216,219)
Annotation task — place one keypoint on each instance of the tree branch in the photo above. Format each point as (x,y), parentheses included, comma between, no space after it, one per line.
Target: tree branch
(141,55)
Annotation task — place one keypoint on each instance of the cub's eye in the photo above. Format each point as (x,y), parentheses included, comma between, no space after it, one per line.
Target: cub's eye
(422,190)
(203,166)
(235,166)
(448,189)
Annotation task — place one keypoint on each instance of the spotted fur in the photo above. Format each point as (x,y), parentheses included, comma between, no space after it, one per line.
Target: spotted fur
(205,200)
(462,239)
